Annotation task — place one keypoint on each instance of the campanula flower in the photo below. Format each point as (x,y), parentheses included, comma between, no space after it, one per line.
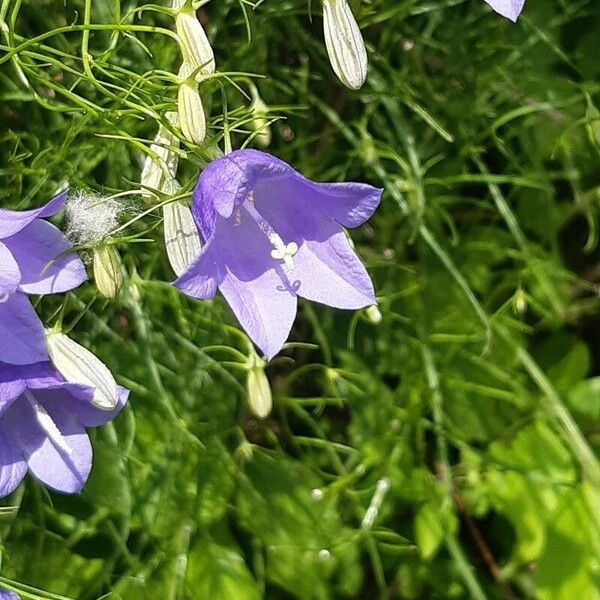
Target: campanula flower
(510,9)
(271,235)
(42,427)
(34,259)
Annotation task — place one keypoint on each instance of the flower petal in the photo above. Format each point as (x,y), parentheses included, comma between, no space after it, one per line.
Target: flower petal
(40,251)
(49,461)
(254,284)
(22,339)
(13,466)
(330,272)
(90,416)
(264,306)
(511,9)
(201,278)
(12,221)
(10,274)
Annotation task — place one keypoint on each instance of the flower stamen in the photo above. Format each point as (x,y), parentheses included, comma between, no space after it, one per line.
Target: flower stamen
(281,250)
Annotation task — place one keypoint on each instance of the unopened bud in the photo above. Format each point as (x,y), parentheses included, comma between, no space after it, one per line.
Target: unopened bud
(78,365)
(195,47)
(374,314)
(158,170)
(191,111)
(260,123)
(182,239)
(345,44)
(260,399)
(107,271)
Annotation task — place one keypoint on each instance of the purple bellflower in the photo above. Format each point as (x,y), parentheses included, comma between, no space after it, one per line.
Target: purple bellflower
(271,235)
(34,259)
(42,427)
(511,9)
(6,595)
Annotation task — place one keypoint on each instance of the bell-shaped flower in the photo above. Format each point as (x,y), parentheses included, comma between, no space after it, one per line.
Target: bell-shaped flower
(271,235)
(345,44)
(43,422)
(35,258)
(511,9)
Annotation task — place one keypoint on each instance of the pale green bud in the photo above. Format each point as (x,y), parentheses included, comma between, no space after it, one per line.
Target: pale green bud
(345,44)
(157,171)
(191,112)
(260,123)
(195,47)
(260,398)
(78,365)
(373,314)
(182,239)
(107,271)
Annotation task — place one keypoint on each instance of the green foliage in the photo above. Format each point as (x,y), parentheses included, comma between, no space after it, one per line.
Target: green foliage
(477,398)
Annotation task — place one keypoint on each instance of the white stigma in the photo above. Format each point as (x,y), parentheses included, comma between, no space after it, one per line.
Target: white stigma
(48,425)
(4,297)
(281,250)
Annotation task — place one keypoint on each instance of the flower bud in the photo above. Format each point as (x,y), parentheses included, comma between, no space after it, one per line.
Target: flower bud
(182,239)
(107,271)
(157,170)
(191,111)
(260,123)
(260,399)
(345,44)
(373,314)
(78,365)
(193,42)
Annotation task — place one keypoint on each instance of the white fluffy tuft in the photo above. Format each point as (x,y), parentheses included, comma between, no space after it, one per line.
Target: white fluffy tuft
(91,217)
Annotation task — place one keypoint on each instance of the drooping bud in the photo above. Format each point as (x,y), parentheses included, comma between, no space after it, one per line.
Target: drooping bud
(260,123)
(194,44)
(107,271)
(78,365)
(260,399)
(191,111)
(157,170)
(182,239)
(345,44)
(373,314)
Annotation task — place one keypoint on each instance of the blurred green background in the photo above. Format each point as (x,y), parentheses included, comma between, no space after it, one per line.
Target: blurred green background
(450,451)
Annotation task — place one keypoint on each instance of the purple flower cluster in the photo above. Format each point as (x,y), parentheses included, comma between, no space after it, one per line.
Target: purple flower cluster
(42,416)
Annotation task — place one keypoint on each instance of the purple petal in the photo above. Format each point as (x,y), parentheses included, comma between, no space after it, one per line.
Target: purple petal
(227,181)
(22,339)
(90,416)
(12,221)
(63,460)
(511,9)
(40,250)
(350,204)
(13,466)
(328,271)
(5,595)
(10,275)
(253,284)
(202,277)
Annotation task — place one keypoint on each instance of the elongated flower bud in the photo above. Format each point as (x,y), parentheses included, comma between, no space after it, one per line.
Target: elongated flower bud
(345,44)
(107,271)
(260,399)
(260,123)
(78,365)
(182,239)
(191,111)
(157,170)
(194,44)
